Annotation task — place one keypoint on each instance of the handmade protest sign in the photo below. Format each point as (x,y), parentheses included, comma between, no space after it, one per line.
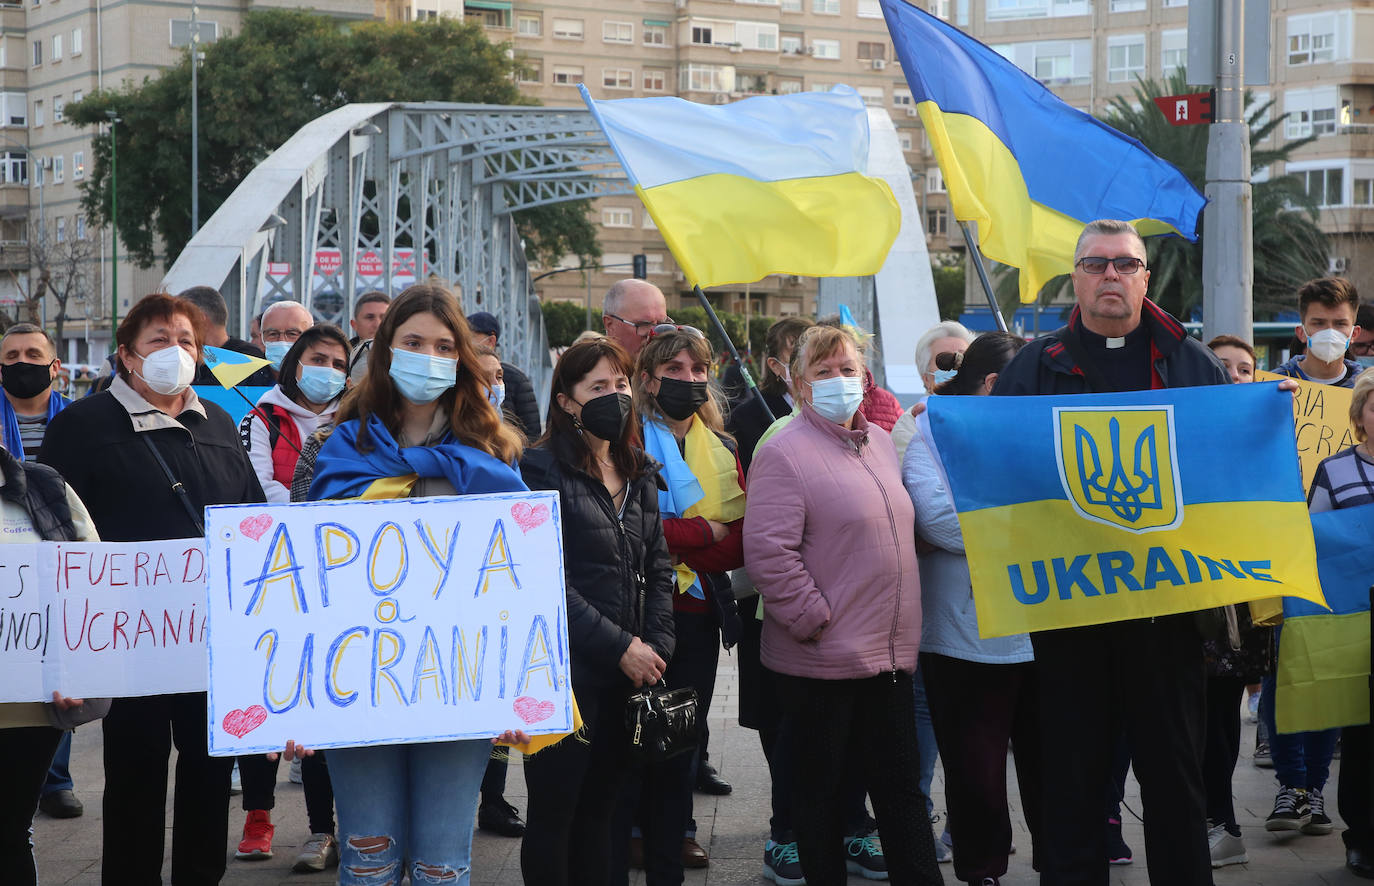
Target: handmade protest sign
(1321,421)
(1108,507)
(102,619)
(348,623)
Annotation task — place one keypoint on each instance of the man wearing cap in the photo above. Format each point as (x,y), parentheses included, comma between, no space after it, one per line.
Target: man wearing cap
(519,403)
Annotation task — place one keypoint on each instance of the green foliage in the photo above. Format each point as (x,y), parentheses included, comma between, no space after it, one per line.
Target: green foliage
(1289,246)
(949,286)
(257,88)
(566,320)
(554,230)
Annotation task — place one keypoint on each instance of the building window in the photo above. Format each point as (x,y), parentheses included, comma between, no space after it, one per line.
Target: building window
(653,262)
(81,227)
(1125,57)
(706,78)
(77,95)
(791,43)
(935,180)
(789,87)
(1364,191)
(1054,62)
(825,49)
(904,140)
(1169,3)
(58,169)
(61,230)
(649,223)
(938,8)
(937,222)
(14,168)
(1311,111)
(617,32)
(56,47)
(871,9)
(872,50)
(1127,5)
(702,34)
(791,5)
(757,35)
(57,106)
(37,53)
(567,75)
(872,96)
(655,35)
(825,7)
(38,113)
(1173,51)
(529,26)
(902,98)
(1325,186)
(751,84)
(655,80)
(567,28)
(76,41)
(617,217)
(14,109)
(531,71)
(1312,38)
(617,78)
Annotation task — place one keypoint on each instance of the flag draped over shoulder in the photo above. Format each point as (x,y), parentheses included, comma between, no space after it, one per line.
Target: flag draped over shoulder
(1323,666)
(767,185)
(1095,508)
(1029,169)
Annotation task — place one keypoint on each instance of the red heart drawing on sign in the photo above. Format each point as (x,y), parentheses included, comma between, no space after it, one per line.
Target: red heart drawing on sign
(254,527)
(240,723)
(529,516)
(532,710)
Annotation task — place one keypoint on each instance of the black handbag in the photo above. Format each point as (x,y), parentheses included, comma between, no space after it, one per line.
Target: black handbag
(662,723)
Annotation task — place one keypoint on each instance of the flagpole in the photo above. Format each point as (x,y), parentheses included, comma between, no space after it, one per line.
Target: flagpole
(743,370)
(976,254)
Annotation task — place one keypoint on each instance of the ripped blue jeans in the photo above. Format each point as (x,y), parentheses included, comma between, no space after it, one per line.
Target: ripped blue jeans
(407,808)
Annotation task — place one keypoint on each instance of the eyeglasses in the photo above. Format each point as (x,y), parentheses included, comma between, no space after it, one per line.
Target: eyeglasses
(665,328)
(1363,348)
(1097,265)
(644,327)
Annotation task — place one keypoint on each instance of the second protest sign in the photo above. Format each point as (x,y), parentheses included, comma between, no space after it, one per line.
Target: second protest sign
(340,624)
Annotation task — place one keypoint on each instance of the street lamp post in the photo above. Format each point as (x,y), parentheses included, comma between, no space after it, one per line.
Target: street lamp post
(195,117)
(114,228)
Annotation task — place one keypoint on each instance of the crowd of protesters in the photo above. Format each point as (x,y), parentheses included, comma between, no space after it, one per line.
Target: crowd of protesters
(806,525)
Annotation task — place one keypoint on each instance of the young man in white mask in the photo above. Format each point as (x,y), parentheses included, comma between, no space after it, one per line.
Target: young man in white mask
(1328,308)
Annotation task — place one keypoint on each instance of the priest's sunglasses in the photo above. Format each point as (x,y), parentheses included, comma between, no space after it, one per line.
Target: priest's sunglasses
(1097,265)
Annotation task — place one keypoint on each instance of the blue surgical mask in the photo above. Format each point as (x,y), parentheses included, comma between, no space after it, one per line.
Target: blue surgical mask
(838,398)
(497,395)
(944,375)
(276,352)
(1366,361)
(422,378)
(320,384)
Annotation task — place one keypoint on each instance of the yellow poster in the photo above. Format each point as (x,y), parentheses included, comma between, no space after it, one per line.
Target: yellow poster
(1321,420)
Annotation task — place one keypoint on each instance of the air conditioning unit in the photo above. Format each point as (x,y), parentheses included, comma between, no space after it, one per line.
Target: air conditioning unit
(810,50)
(1337,264)
(792,280)
(679,276)
(879,64)
(720,98)
(45,162)
(912,112)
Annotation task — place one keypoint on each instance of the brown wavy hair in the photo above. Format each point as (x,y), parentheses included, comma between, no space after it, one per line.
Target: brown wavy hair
(572,367)
(472,419)
(157,306)
(659,350)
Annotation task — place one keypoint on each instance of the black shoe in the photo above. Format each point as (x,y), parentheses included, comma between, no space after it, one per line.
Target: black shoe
(500,817)
(1360,862)
(710,782)
(61,804)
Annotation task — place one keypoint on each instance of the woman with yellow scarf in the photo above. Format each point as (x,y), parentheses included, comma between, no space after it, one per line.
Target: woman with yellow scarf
(703,511)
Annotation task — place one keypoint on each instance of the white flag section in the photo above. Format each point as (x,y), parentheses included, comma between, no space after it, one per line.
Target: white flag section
(340,624)
(101,619)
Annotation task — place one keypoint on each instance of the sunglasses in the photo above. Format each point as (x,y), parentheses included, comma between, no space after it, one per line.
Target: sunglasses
(665,328)
(1096,265)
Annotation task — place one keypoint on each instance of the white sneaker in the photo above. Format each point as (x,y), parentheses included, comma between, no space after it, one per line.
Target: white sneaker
(1226,847)
(321,851)
(235,783)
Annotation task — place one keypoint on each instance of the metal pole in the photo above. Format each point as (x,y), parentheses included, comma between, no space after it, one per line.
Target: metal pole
(730,346)
(587,276)
(114,229)
(1227,254)
(195,117)
(977,256)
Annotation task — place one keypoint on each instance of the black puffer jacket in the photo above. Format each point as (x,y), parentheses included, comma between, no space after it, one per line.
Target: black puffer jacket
(606,562)
(521,403)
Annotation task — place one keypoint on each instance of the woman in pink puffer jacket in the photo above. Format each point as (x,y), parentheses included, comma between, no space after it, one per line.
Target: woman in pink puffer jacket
(829,540)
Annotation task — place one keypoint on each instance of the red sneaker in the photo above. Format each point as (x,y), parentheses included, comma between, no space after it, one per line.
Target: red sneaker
(256,844)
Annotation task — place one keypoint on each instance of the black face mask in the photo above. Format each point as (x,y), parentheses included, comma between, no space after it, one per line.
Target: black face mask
(679,399)
(605,416)
(25,380)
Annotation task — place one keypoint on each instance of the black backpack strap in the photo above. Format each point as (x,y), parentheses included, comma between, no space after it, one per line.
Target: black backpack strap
(177,486)
(1097,382)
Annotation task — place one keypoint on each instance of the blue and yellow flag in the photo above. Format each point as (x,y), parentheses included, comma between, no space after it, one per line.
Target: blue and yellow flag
(1029,169)
(768,185)
(230,367)
(1323,670)
(1087,509)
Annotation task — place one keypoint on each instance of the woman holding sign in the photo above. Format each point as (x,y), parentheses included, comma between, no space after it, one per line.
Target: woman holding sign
(147,456)
(620,610)
(418,424)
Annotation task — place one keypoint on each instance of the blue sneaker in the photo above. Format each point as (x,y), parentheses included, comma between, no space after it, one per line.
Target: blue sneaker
(865,856)
(782,865)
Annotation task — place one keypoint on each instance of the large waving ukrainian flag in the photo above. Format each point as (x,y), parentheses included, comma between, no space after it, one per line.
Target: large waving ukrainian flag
(767,185)
(1029,169)
(1087,509)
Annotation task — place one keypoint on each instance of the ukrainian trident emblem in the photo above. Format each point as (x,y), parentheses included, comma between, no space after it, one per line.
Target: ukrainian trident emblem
(1118,465)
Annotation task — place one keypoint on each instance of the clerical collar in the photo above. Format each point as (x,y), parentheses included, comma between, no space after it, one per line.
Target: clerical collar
(1099,342)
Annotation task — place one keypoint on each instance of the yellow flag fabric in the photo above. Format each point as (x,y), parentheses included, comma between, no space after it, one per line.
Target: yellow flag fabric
(230,367)
(722,498)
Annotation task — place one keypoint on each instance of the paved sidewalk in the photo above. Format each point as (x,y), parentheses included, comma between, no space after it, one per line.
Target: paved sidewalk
(733,828)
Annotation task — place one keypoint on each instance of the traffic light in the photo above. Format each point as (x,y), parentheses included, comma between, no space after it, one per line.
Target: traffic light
(641,267)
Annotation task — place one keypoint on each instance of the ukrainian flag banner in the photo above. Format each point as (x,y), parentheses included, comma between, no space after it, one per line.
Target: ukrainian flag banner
(1080,510)
(1323,671)
(768,185)
(1029,169)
